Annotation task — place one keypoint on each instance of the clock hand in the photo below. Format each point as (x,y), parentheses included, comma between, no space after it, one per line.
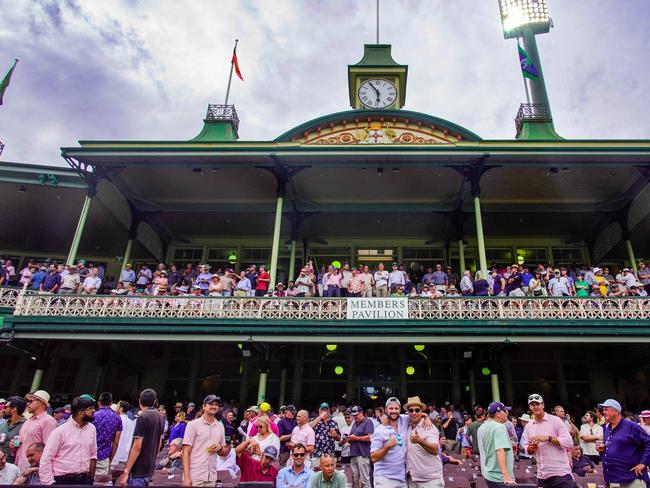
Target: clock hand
(376,91)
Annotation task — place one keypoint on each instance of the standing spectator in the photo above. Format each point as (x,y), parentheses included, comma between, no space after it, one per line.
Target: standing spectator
(204,437)
(191,411)
(52,281)
(177,429)
(13,414)
(381,281)
(126,438)
(644,421)
(303,434)
(466,285)
(626,449)
(368,281)
(356,286)
(70,454)
(388,448)
(479,419)
(109,428)
(144,276)
(262,282)
(70,281)
(644,276)
(495,447)
(37,429)
(127,276)
(326,431)
(243,286)
(359,440)
(285,428)
(590,434)
(147,439)
(395,278)
(548,439)
(450,429)
(424,465)
(228,421)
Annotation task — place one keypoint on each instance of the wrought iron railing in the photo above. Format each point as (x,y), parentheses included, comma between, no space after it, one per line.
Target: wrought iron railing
(8,297)
(223,112)
(461,308)
(532,112)
(2,146)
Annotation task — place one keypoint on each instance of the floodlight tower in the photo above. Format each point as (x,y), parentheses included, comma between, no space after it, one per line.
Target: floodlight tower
(525,19)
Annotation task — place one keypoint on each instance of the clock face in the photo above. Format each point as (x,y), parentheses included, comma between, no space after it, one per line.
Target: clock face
(377,93)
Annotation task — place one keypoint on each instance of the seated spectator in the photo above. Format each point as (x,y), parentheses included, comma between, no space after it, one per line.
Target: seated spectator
(29,476)
(580,463)
(8,472)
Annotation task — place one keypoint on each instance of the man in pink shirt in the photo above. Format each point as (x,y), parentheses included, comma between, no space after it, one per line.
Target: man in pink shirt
(547,438)
(70,454)
(37,429)
(204,438)
(303,433)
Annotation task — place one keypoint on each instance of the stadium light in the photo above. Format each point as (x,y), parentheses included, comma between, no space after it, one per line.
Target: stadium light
(517,14)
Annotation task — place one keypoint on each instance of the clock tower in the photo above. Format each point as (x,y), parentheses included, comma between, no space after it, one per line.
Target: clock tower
(377,81)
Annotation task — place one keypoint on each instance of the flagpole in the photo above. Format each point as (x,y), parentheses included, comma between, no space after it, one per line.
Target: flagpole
(377,21)
(524,79)
(232,66)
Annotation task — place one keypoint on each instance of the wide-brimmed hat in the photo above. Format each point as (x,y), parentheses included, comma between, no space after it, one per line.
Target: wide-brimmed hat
(525,418)
(414,402)
(41,395)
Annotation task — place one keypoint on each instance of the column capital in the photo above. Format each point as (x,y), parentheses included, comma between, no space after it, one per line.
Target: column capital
(91,191)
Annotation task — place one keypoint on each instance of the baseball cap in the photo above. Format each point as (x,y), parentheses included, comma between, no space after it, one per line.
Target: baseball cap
(253,408)
(324,405)
(535,397)
(291,408)
(271,452)
(611,403)
(211,398)
(356,409)
(495,407)
(392,400)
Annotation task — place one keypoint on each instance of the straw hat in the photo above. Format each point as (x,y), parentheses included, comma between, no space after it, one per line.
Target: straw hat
(41,395)
(414,402)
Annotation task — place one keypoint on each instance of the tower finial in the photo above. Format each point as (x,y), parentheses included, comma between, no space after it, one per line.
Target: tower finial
(377,21)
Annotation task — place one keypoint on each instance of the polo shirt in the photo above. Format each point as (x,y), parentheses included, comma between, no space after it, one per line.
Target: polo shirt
(392,465)
(625,446)
(200,435)
(51,280)
(285,427)
(365,427)
(338,480)
(12,431)
(422,466)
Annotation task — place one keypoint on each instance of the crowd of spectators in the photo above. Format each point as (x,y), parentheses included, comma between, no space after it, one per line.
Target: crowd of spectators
(335,280)
(92,440)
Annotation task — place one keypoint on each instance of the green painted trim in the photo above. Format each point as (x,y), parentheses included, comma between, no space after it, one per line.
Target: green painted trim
(217,131)
(466,134)
(538,131)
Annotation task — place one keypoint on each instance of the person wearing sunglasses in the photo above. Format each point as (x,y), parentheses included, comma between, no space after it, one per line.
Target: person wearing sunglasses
(548,439)
(388,448)
(424,465)
(36,429)
(296,475)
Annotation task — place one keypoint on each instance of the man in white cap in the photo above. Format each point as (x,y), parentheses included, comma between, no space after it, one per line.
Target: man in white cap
(548,439)
(625,452)
(644,420)
(388,448)
(37,428)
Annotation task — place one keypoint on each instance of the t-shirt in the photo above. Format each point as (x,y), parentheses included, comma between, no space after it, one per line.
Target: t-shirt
(365,427)
(582,292)
(149,427)
(262,285)
(492,436)
(473,428)
(251,470)
(9,474)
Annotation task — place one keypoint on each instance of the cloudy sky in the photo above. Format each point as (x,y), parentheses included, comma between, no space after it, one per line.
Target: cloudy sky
(146,69)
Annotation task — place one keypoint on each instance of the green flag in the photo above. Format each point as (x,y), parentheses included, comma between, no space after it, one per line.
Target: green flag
(6,80)
(528,69)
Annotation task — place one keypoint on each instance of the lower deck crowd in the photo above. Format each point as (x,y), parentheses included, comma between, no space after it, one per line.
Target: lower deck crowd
(402,443)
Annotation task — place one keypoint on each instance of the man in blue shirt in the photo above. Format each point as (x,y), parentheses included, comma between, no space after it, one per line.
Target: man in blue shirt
(295,476)
(388,448)
(626,451)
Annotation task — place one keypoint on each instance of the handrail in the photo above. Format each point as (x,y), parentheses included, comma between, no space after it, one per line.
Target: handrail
(332,309)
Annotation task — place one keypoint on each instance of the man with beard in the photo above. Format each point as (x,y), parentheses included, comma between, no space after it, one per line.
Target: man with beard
(70,454)
(13,413)
(388,448)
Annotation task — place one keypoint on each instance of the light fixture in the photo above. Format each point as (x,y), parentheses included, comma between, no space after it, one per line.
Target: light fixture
(410,370)
(467,354)
(486,371)
(246,350)
(467,388)
(380,171)
(517,14)
(331,347)
(338,370)
(419,347)
(22,189)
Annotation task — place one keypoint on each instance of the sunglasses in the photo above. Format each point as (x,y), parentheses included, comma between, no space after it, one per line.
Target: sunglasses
(299,455)
(415,410)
